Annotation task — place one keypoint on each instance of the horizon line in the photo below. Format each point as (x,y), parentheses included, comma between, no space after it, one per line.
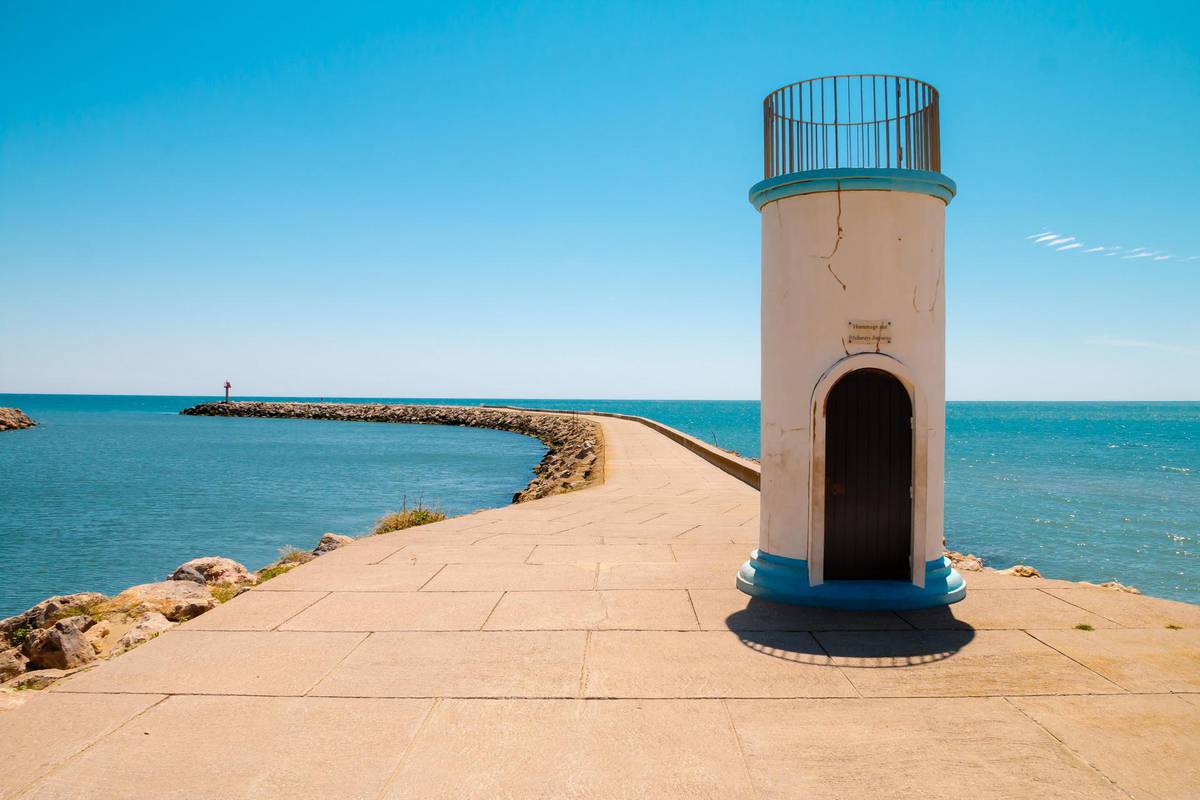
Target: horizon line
(332,398)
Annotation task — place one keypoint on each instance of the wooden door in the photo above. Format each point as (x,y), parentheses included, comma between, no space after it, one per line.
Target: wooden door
(868,478)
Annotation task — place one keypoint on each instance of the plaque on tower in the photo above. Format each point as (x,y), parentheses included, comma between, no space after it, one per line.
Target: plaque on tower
(870,331)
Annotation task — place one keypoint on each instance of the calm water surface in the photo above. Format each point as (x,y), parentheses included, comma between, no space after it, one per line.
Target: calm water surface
(112,491)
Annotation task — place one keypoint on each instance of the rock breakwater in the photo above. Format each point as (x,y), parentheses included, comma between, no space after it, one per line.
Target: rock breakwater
(12,419)
(575,445)
(68,633)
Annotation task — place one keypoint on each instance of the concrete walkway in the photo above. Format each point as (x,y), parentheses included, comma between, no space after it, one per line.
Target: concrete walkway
(592,645)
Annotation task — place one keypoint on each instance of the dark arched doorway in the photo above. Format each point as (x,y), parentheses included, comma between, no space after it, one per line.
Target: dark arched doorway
(868,478)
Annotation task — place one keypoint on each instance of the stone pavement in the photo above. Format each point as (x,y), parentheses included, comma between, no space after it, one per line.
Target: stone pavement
(592,645)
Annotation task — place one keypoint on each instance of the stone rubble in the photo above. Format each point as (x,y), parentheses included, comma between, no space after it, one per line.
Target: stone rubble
(13,419)
(178,601)
(66,633)
(330,542)
(572,460)
(1116,586)
(60,646)
(965,562)
(146,629)
(49,610)
(12,663)
(211,570)
(1021,571)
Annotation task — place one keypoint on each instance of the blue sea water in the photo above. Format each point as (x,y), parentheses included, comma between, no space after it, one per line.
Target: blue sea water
(112,491)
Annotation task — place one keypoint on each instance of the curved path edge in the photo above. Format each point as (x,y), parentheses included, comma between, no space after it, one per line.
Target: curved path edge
(744,469)
(575,446)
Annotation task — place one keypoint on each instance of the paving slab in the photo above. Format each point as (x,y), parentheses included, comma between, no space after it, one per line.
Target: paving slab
(456,664)
(620,531)
(720,534)
(251,748)
(1139,660)
(599,749)
(461,554)
(690,575)
(50,727)
(710,664)
(956,663)
(607,553)
(526,527)
(731,555)
(569,537)
(424,535)
(1014,609)
(730,609)
(991,579)
(669,610)
(1131,610)
(513,577)
(369,550)
(1148,744)
(898,749)
(219,662)
(340,576)
(396,611)
(254,611)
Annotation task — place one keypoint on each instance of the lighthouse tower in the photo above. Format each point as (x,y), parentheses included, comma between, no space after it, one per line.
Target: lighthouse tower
(853,209)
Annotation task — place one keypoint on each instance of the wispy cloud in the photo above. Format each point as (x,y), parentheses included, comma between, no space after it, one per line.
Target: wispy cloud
(1143,344)
(1064,244)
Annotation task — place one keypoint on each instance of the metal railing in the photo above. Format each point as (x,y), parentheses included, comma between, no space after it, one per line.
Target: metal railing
(870,121)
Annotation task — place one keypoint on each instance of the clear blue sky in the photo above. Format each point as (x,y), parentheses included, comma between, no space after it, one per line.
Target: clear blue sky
(549,199)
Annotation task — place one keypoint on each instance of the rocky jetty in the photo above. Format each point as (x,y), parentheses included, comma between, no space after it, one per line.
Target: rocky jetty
(967,562)
(12,419)
(573,459)
(67,633)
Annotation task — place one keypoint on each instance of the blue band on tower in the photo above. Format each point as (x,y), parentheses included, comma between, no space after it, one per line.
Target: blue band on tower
(853,179)
(785,580)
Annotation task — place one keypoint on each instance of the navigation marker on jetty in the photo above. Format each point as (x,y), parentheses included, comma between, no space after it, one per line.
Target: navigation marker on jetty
(853,206)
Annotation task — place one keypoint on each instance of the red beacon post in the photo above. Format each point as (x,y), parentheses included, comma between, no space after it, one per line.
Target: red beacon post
(228,386)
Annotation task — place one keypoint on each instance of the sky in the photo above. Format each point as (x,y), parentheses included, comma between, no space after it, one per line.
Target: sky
(549,199)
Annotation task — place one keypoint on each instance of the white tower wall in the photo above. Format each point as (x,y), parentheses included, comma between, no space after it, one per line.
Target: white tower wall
(830,258)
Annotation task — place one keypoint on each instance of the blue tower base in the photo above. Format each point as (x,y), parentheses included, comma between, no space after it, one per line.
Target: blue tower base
(785,580)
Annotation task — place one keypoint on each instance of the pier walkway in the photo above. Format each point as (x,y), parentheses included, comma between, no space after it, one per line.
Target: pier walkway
(591,645)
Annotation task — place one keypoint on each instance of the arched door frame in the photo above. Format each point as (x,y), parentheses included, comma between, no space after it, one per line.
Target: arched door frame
(820,396)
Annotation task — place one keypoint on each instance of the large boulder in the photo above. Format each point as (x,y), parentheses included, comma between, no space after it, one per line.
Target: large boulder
(104,634)
(175,600)
(185,573)
(61,646)
(1021,571)
(146,629)
(49,610)
(12,419)
(330,542)
(965,562)
(213,569)
(12,663)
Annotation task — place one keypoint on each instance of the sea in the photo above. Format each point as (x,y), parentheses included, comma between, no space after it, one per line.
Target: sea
(110,491)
